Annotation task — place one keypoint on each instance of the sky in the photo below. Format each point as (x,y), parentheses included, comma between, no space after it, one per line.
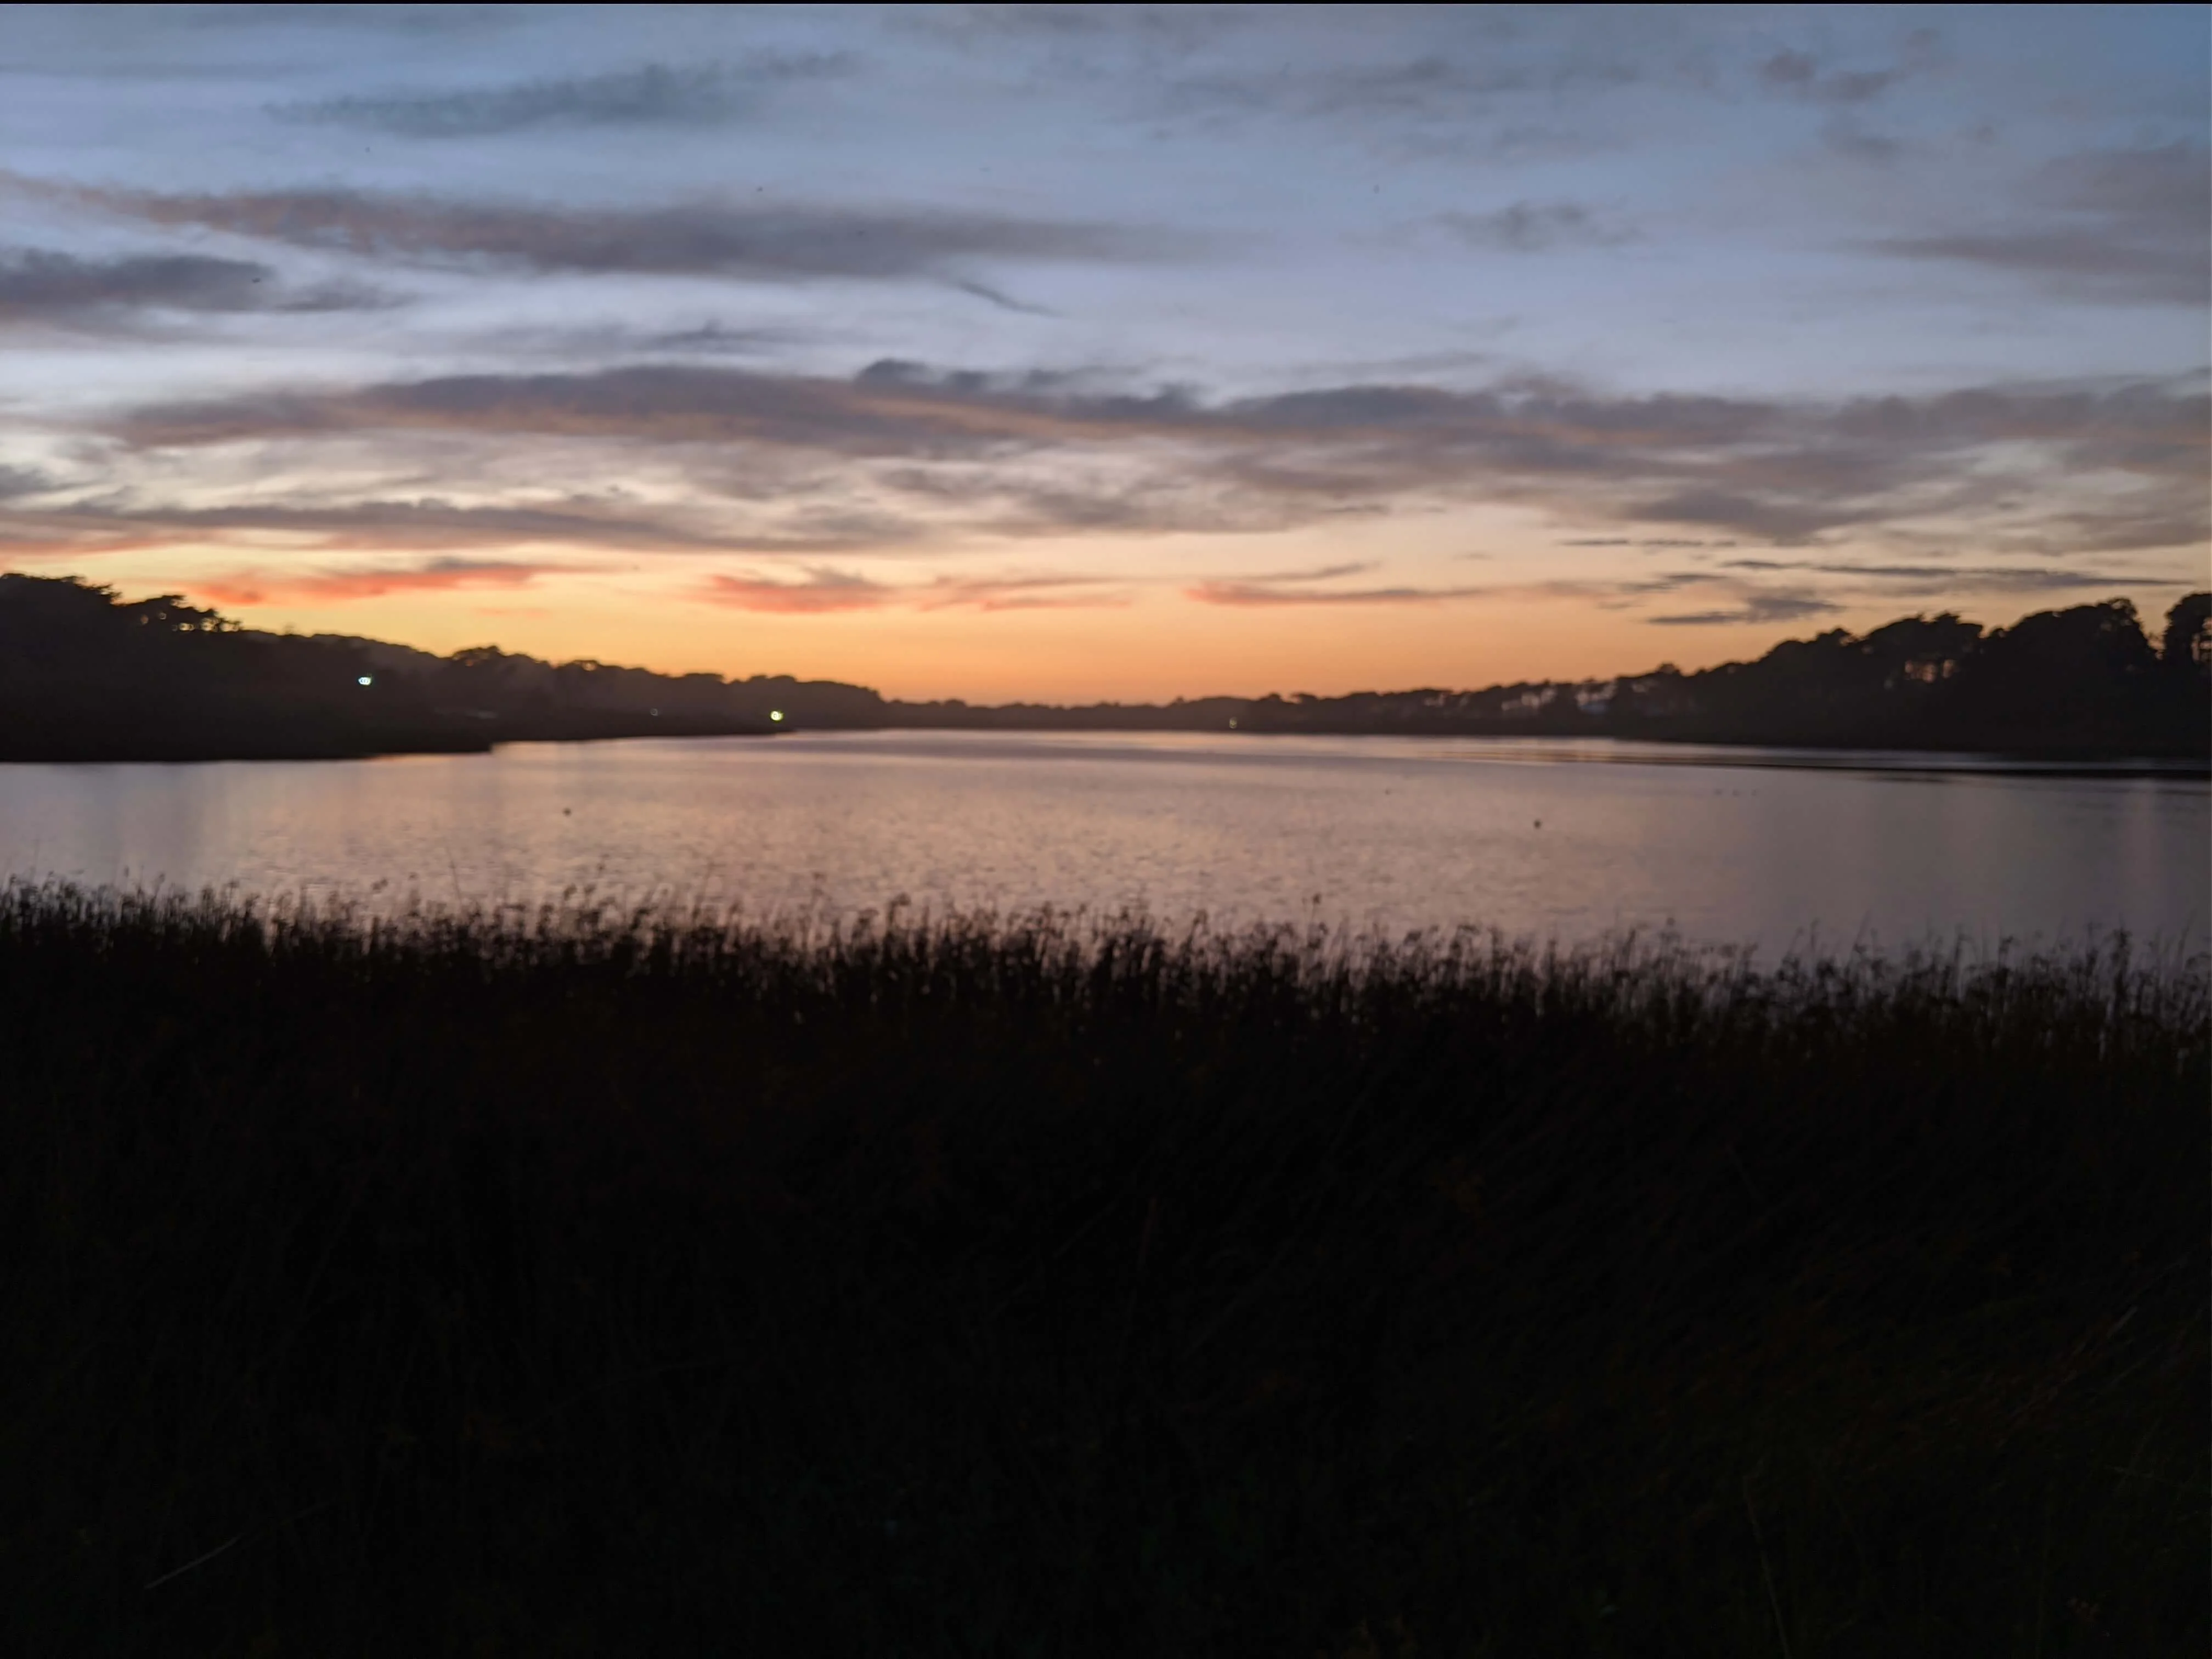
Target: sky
(1066,353)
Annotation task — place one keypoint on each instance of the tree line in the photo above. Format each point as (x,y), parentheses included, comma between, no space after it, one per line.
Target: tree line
(86,675)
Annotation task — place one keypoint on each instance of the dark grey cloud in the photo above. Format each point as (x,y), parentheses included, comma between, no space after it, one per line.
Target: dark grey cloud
(1266,595)
(435,523)
(1004,300)
(1535,228)
(760,243)
(2070,263)
(1771,515)
(1318,572)
(620,342)
(717,337)
(1854,141)
(17,480)
(1158,506)
(1043,495)
(1296,588)
(818,530)
(435,19)
(1759,608)
(652,94)
(1801,76)
(2127,226)
(99,526)
(1470,83)
(40,286)
(1326,447)
(2024,579)
(1438,83)
(1779,472)
(1671,581)
(1648,543)
(990,28)
(1816,79)
(1431,86)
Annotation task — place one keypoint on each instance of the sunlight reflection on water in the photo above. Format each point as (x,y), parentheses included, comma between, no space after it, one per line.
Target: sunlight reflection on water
(1393,832)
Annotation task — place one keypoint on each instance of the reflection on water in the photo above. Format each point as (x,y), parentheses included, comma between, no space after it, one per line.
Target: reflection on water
(1399,832)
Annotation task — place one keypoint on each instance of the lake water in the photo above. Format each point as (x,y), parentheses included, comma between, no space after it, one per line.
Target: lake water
(1569,840)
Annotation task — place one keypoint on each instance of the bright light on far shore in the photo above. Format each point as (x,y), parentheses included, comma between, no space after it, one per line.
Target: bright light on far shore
(776,714)
(366,679)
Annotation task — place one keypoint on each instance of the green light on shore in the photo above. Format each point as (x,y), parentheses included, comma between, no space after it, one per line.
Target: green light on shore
(776,714)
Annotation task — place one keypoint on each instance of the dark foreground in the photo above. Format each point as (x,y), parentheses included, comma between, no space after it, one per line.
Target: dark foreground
(535,1287)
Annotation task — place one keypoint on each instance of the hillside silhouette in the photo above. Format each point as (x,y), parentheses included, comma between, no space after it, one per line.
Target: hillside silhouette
(86,676)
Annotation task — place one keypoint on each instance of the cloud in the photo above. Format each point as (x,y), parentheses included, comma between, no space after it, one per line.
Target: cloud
(2076,263)
(1015,594)
(760,243)
(2097,467)
(713,337)
(653,95)
(249,588)
(1260,593)
(2130,227)
(1667,582)
(1436,86)
(893,407)
(1319,573)
(37,285)
(1288,588)
(611,341)
(2025,579)
(825,589)
(1648,543)
(1534,227)
(1769,515)
(819,530)
(1176,29)
(1759,608)
(1801,76)
(883,411)
(96,527)
(990,295)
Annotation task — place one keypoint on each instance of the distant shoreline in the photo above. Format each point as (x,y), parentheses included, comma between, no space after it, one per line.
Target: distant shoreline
(156,748)
(85,677)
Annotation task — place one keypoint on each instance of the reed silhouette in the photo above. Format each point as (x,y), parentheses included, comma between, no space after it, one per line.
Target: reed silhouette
(580,1282)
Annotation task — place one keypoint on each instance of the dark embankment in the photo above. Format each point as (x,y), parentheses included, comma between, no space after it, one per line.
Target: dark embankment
(546,1286)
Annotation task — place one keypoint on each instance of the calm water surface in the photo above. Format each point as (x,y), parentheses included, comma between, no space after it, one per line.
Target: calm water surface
(1552,840)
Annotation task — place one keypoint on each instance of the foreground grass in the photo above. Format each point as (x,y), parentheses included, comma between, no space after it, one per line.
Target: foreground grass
(568,1285)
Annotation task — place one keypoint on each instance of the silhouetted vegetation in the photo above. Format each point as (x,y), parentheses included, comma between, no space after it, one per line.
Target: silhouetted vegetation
(568,1284)
(2079,683)
(85,677)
